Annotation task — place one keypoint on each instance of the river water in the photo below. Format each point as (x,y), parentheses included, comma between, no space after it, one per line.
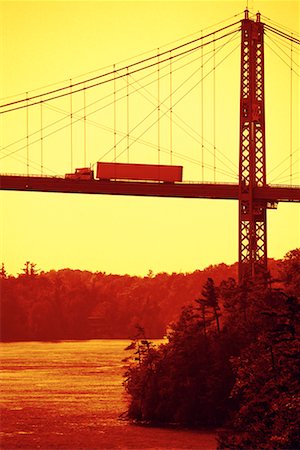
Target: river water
(69,395)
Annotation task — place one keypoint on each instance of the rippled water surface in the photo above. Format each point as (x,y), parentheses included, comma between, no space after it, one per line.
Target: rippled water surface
(69,395)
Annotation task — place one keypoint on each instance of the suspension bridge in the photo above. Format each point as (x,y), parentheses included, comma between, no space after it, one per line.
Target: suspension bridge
(151,103)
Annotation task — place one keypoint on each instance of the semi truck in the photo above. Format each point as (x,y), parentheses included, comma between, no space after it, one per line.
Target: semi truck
(137,172)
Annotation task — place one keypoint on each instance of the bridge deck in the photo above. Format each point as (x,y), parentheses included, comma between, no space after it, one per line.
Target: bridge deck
(144,188)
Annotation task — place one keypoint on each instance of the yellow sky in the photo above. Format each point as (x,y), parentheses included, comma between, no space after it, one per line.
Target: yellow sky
(47,42)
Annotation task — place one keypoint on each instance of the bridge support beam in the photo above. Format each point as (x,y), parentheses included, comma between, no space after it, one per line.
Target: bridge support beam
(252,162)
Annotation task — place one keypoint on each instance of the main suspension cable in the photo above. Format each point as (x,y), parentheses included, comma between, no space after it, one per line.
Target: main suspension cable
(100,100)
(282,34)
(146,60)
(97,101)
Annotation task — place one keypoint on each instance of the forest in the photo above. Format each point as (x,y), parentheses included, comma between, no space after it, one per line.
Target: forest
(231,361)
(75,304)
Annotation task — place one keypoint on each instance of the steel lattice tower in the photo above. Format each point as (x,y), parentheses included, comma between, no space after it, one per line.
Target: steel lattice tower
(252,163)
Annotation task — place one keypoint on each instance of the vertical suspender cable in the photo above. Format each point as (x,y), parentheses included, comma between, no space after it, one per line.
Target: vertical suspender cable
(158,109)
(84,124)
(214,105)
(291,117)
(42,139)
(171,111)
(115,116)
(27,137)
(202,112)
(127,106)
(71,126)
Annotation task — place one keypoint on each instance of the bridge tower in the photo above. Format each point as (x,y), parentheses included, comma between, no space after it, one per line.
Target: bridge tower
(252,161)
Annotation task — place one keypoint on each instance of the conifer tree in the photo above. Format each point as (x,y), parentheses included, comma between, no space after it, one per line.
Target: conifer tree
(210,295)
(3,273)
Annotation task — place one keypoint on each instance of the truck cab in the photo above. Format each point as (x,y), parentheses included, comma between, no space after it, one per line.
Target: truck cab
(84,173)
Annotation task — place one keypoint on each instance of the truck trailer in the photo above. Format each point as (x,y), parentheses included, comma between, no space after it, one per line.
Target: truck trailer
(142,172)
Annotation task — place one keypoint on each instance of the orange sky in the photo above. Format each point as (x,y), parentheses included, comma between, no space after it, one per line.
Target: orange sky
(47,42)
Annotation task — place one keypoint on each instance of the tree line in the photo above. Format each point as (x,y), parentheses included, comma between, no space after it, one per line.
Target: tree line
(232,361)
(75,304)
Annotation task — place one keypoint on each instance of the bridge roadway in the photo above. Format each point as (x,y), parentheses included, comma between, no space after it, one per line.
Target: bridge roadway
(144,188)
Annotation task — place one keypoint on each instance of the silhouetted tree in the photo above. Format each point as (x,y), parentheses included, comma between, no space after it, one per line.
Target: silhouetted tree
(210,296)
(29,269)
(3,273)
